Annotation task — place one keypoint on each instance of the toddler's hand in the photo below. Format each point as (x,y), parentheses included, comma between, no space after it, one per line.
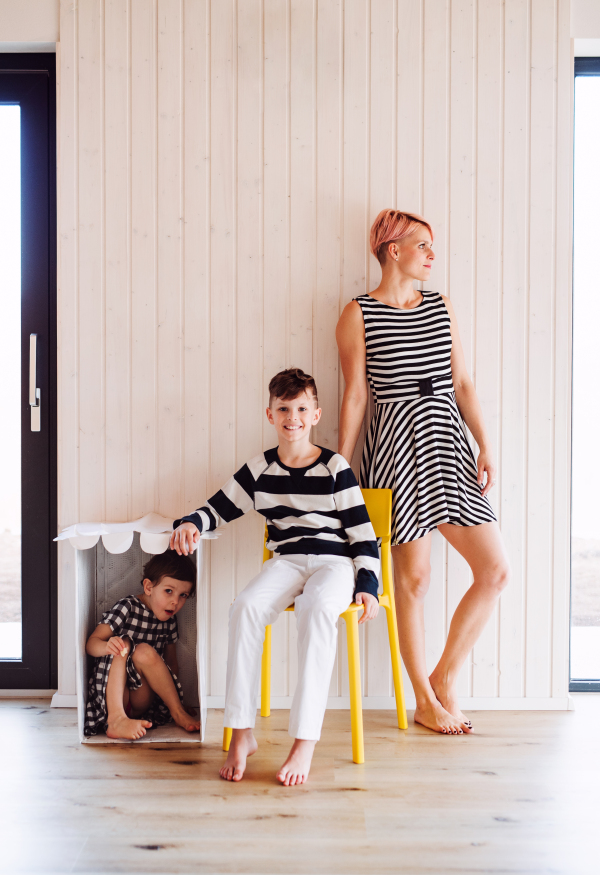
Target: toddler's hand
(371,606)
(117,647)
(184,538)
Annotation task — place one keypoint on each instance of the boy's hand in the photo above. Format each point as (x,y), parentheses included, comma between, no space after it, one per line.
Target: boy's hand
(184,538)
(371,606)
(117,647)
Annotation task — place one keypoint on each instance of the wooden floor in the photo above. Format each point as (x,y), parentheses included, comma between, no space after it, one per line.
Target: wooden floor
(520,796)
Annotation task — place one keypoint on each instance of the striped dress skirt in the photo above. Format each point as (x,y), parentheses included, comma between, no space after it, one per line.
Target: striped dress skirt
(416,443)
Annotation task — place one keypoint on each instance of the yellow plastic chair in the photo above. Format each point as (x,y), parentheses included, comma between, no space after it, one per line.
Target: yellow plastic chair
(379,507)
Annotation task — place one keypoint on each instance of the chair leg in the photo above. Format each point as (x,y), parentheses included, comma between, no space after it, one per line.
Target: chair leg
(226,737)
(356,716)
(265,676)
(390,613)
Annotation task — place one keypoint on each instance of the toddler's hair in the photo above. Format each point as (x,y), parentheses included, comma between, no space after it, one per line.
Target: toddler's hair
(291,383)
(171,564)
(393,225)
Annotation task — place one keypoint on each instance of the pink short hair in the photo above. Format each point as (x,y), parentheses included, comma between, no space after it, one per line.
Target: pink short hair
(393,225)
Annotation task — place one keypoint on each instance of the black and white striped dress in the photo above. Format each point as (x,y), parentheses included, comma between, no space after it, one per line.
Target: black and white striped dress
(416,444)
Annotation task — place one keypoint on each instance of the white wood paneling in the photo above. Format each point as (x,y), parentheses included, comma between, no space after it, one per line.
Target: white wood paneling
(221,162)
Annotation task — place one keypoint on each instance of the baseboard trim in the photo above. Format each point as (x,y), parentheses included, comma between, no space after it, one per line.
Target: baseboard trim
(64,700)
(26,694)
(387,703)
(341,703)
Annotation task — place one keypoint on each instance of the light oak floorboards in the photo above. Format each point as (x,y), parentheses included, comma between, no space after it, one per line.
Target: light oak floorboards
(522,795)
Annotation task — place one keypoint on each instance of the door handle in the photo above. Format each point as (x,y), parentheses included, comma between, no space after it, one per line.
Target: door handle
(34,392)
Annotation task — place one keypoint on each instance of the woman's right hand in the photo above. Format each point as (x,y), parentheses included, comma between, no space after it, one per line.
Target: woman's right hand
(184,538)
(117,647)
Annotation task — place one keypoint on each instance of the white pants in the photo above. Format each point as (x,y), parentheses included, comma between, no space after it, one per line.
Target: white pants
(321,588)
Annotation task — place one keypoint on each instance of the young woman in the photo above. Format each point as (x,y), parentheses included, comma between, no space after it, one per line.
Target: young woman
(405,343)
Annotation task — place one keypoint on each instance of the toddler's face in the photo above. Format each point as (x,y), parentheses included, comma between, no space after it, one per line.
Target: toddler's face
(293,418)
(167,597)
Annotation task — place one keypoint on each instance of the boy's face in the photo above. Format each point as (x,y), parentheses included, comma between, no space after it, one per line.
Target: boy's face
(166,597)
(294,418)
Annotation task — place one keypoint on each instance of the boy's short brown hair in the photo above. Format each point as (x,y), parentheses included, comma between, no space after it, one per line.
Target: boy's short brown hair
(291,383)
(171,564)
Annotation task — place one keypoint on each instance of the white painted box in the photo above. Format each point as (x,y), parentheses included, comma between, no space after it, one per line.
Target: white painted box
(103,577)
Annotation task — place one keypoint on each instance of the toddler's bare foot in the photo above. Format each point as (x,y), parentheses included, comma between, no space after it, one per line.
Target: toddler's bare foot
(123,727)
(433,716)
(297,766)
(448,699)
(183,719)
(243,745)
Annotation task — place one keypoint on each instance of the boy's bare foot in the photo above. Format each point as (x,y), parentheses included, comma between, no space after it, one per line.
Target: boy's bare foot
(123,727)
(297,766)
(434,716)
(243,745)
(183,719)
(448,699)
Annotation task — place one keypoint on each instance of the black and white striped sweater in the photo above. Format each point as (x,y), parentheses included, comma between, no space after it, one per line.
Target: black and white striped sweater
(318,509)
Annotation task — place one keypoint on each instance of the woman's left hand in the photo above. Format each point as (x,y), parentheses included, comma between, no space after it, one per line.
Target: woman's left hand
(485,465)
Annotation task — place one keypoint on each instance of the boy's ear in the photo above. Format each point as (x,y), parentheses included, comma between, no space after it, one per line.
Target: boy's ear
(147,585)
(317,416)
(270,416)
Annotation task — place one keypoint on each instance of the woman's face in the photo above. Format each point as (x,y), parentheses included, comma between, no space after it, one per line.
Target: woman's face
(413,255)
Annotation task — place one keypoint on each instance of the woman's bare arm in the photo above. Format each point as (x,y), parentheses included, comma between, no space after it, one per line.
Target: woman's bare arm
(469,406)
(350,336)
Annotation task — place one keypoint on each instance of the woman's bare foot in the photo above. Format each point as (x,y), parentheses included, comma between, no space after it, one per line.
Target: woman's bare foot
(243,745)
(448,699)
(434,716)
(123,727)
(297,766)
(183,719)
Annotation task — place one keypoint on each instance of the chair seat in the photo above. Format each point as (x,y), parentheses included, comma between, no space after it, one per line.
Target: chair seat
(352,608)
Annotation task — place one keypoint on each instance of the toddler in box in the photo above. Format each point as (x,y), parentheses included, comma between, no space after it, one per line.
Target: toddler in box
(134,683)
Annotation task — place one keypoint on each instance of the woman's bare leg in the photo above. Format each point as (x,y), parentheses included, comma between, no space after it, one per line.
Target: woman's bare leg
(119,724)
(152,667)
(412,571)
(483,549)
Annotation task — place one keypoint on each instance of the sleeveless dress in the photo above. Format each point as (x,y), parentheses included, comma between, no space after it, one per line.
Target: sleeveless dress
(417,444)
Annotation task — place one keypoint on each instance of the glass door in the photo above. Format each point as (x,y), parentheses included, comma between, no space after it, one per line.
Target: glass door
(585,519)
(27,372)
(10,384)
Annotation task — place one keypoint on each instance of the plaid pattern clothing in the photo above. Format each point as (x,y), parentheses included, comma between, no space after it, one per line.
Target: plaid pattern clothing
(130,618)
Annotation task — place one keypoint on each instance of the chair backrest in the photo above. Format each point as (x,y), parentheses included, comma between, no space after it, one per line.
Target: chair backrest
(379,508)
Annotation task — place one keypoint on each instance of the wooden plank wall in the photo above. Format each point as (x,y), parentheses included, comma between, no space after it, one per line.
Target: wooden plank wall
(221,162)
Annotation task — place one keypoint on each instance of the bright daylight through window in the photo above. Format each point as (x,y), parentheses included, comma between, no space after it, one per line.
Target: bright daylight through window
(585,592)
(10,384)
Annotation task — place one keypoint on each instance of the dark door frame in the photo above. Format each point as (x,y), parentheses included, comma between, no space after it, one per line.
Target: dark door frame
(30,80)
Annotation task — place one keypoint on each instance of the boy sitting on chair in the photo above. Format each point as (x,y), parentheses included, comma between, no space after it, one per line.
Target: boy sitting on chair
(325,555)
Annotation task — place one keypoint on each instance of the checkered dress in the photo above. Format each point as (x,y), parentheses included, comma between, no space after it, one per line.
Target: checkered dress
(129,618)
